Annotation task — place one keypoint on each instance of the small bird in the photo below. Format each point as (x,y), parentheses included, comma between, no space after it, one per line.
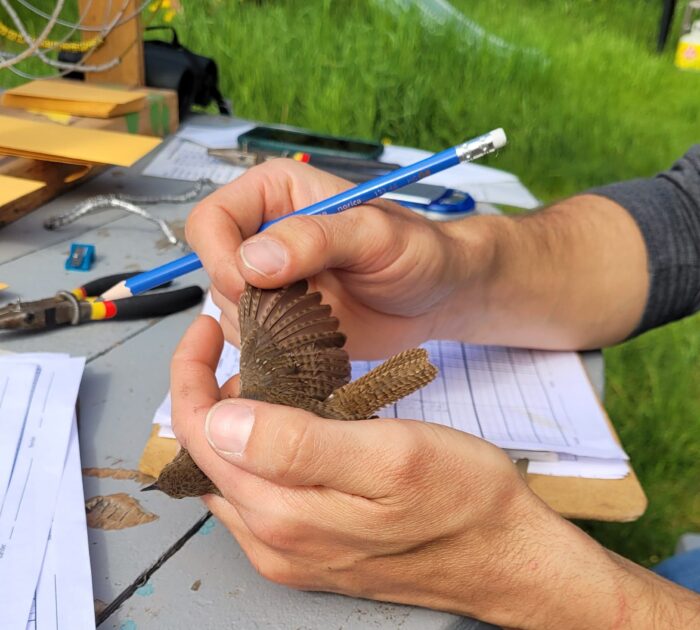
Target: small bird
(292,354)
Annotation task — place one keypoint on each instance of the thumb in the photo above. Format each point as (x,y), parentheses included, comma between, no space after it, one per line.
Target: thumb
(364,238)
(293,447)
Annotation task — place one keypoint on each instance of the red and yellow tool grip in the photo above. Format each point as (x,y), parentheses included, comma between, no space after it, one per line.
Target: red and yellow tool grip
(103,310)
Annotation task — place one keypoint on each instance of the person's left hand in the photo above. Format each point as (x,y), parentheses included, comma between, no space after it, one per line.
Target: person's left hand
(395,510)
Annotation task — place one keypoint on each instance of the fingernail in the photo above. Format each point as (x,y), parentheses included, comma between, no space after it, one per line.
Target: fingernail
(228,426)
(264,255)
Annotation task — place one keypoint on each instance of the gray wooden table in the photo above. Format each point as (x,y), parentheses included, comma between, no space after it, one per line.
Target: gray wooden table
(183,569)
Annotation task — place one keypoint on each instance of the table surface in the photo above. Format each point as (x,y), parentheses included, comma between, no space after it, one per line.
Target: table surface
(183,569)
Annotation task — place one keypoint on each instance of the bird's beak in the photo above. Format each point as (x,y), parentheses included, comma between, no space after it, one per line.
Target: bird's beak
(153,486)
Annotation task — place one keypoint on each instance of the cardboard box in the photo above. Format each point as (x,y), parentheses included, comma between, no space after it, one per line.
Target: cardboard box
(159,117)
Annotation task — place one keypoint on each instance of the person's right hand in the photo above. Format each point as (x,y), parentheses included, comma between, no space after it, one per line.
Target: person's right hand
(386,272)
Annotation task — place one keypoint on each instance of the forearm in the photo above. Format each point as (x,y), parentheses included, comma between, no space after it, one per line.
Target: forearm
(654,602)
(571,276)
(596,588)
(562,578)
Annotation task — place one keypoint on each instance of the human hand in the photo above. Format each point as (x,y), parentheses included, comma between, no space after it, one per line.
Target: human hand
(386,272)
(401,511)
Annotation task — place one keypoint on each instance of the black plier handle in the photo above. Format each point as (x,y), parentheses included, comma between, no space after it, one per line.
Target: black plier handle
(81,305)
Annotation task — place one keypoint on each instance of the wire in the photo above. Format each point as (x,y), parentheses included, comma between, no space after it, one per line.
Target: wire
(67,67)
(63,67)
(131,203)
(83,27)
(55,63)
(86,9)
(33,43)
(83,46)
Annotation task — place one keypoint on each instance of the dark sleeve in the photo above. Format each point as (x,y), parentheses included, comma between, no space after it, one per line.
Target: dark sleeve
(667,210)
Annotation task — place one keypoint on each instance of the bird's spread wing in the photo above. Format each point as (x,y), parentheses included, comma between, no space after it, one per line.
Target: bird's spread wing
(291,349)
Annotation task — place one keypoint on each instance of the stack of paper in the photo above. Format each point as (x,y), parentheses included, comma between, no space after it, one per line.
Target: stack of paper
(534,404)
(74,97)
(71,145)
(44,561)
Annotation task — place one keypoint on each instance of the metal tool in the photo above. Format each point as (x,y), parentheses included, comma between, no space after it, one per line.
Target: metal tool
(81,305)
(356,170)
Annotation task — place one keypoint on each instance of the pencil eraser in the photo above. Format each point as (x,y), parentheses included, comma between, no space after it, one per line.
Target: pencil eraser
(498,137)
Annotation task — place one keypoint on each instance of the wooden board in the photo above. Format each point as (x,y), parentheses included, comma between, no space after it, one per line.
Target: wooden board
(57,177)
(620,500)
(124,42)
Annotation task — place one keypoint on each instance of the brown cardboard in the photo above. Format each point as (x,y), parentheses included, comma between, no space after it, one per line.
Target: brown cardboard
(157,453)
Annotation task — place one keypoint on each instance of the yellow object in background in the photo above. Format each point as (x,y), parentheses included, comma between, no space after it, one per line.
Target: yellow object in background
(12,188)
(75,98)
(71,145)
(688,51)
(57,117)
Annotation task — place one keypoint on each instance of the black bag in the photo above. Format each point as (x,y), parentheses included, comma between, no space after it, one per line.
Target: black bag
(194,77)
(170,65)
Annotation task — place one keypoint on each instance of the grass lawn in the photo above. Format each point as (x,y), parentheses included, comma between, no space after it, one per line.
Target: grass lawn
(601,107)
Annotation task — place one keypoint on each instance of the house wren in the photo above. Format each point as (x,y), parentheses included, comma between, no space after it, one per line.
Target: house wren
(292,354)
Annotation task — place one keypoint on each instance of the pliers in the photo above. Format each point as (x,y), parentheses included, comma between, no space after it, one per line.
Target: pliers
(81,305)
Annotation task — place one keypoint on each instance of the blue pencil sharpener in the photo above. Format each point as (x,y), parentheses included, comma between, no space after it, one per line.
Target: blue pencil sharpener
(80,258)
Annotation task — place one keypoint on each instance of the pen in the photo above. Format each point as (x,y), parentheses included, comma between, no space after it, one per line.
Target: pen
(465,152)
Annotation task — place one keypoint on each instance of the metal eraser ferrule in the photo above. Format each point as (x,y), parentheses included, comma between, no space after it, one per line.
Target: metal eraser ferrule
(483,145)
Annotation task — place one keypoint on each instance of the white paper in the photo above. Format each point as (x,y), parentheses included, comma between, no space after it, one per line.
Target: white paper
(64,593)
(585,467)
(215,136)
(30,502)
(517,399)
(16,387)
(184,160)
(31,622)
(532,403)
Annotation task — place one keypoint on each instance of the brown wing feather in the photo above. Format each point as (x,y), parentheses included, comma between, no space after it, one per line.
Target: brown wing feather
(389,382)
(291,349)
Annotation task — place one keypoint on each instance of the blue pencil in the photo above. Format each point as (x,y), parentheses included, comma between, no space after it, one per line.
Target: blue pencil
(465,152)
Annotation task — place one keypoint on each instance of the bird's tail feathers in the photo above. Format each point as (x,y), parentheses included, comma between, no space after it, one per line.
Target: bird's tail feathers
(397,377)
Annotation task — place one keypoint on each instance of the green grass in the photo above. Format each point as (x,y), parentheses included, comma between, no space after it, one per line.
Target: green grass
(604,107)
